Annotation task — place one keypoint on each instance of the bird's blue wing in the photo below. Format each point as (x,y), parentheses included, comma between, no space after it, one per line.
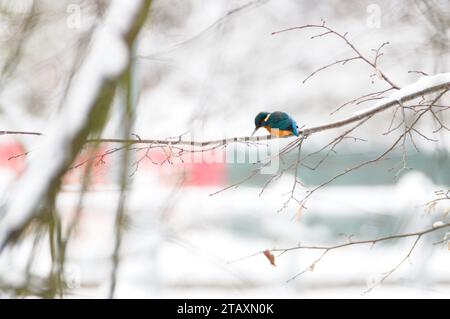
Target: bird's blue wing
(283,121)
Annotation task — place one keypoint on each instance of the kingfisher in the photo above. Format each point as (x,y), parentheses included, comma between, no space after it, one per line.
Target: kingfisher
(278,124)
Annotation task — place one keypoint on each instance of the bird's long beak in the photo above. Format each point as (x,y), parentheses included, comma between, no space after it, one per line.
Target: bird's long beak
(254,131)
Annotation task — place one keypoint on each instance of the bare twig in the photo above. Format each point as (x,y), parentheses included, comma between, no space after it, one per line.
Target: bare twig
(380,107)
(359,55)
(327,249)
(229,14)
(382,155)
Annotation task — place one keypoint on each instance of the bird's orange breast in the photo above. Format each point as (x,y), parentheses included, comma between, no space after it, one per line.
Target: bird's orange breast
(278,133)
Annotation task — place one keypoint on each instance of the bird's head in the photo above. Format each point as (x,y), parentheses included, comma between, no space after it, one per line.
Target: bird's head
(260,120)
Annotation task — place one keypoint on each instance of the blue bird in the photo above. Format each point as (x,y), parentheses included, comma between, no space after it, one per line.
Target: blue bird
(279,124)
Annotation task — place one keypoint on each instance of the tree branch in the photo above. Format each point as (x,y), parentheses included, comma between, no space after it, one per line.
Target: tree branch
(326,249)
(359,56)
(423,87)
(84,114)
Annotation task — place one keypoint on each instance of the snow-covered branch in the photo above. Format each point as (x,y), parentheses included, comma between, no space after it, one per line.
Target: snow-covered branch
(423,87)
(84,114)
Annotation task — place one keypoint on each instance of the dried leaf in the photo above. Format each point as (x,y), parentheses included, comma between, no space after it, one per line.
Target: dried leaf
(311,268)
(270,256)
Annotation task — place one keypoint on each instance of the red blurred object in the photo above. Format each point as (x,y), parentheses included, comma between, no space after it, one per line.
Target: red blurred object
(100,168)
(12,156)
(205,174)
(196,170)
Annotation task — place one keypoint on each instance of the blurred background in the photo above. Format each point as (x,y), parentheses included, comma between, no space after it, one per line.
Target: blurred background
(210,67)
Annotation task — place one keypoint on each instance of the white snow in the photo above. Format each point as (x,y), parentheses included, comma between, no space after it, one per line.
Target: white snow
(424,83)
(224,77)
(107,58)
(438,224)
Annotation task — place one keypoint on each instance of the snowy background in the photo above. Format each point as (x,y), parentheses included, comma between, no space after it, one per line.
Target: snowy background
(215,65)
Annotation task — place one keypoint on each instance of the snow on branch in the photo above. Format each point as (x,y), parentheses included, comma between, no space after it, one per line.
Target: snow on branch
(84,113)
(424,86)
(38,182)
